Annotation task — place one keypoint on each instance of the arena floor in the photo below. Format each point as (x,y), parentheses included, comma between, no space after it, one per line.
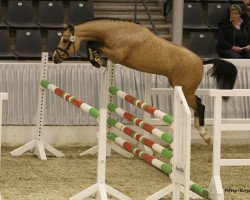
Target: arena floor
(28,178)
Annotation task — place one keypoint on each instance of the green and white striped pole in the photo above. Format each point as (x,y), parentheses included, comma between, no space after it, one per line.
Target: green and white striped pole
(140,104)
(167,169)
(147,127)
(140,138)
(71,99)
(139,153)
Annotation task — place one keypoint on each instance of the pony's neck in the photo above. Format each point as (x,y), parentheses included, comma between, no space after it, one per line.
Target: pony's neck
(90,31)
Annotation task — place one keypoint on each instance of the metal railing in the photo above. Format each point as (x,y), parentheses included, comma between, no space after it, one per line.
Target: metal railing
(148,14)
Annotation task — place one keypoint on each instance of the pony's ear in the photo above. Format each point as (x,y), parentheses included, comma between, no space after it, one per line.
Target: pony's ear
(65,26)
(71,28)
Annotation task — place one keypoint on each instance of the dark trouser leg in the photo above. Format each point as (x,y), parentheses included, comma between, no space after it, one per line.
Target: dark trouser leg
(232,54)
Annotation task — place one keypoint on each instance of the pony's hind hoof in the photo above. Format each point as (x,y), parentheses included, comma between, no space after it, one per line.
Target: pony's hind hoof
(204,135)
(208,141)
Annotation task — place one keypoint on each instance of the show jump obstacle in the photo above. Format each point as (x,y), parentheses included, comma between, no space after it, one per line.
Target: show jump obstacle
(167,169)
(179,172)
(180,157)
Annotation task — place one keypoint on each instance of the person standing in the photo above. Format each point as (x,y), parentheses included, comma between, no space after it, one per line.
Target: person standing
(234,36)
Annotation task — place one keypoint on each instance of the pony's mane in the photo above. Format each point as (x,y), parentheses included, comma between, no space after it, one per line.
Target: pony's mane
(105,18)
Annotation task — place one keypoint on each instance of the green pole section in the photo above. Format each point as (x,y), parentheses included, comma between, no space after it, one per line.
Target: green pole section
(113,90)
(199,190)
(44,83)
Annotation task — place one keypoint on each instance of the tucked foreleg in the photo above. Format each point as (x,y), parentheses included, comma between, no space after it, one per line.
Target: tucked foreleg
(93,55)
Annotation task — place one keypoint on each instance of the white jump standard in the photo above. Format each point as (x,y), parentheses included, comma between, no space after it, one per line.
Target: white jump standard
(38,145)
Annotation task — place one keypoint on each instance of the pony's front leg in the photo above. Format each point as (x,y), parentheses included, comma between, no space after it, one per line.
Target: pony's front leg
(93,55)
(199,121)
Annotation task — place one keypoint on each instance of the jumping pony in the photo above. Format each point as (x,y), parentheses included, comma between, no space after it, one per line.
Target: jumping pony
(136,47)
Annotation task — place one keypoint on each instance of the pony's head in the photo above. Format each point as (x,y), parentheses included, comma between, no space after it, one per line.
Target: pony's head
(68,45)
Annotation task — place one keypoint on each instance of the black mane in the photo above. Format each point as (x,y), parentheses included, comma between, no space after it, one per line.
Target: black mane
(99,19)
(105,18)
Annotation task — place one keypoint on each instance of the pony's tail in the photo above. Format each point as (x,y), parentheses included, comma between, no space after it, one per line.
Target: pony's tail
(223,72)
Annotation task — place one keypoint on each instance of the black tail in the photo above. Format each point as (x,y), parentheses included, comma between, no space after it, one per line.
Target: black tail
(223,72)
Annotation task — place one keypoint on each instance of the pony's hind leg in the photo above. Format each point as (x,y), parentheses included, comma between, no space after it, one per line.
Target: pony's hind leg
(196,114)
(199,112)
(200,115)
(201,118)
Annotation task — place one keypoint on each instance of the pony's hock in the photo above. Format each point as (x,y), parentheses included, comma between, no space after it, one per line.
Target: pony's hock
(134,46)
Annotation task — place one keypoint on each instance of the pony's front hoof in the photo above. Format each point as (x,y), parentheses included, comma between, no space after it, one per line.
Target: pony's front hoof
(204,135)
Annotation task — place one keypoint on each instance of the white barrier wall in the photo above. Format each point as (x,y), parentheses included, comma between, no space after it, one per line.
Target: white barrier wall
(21,81)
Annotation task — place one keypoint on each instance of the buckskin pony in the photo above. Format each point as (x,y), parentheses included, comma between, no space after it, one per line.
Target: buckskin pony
(136,47)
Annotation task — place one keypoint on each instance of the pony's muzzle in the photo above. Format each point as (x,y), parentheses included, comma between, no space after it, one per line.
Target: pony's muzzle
(56,59)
